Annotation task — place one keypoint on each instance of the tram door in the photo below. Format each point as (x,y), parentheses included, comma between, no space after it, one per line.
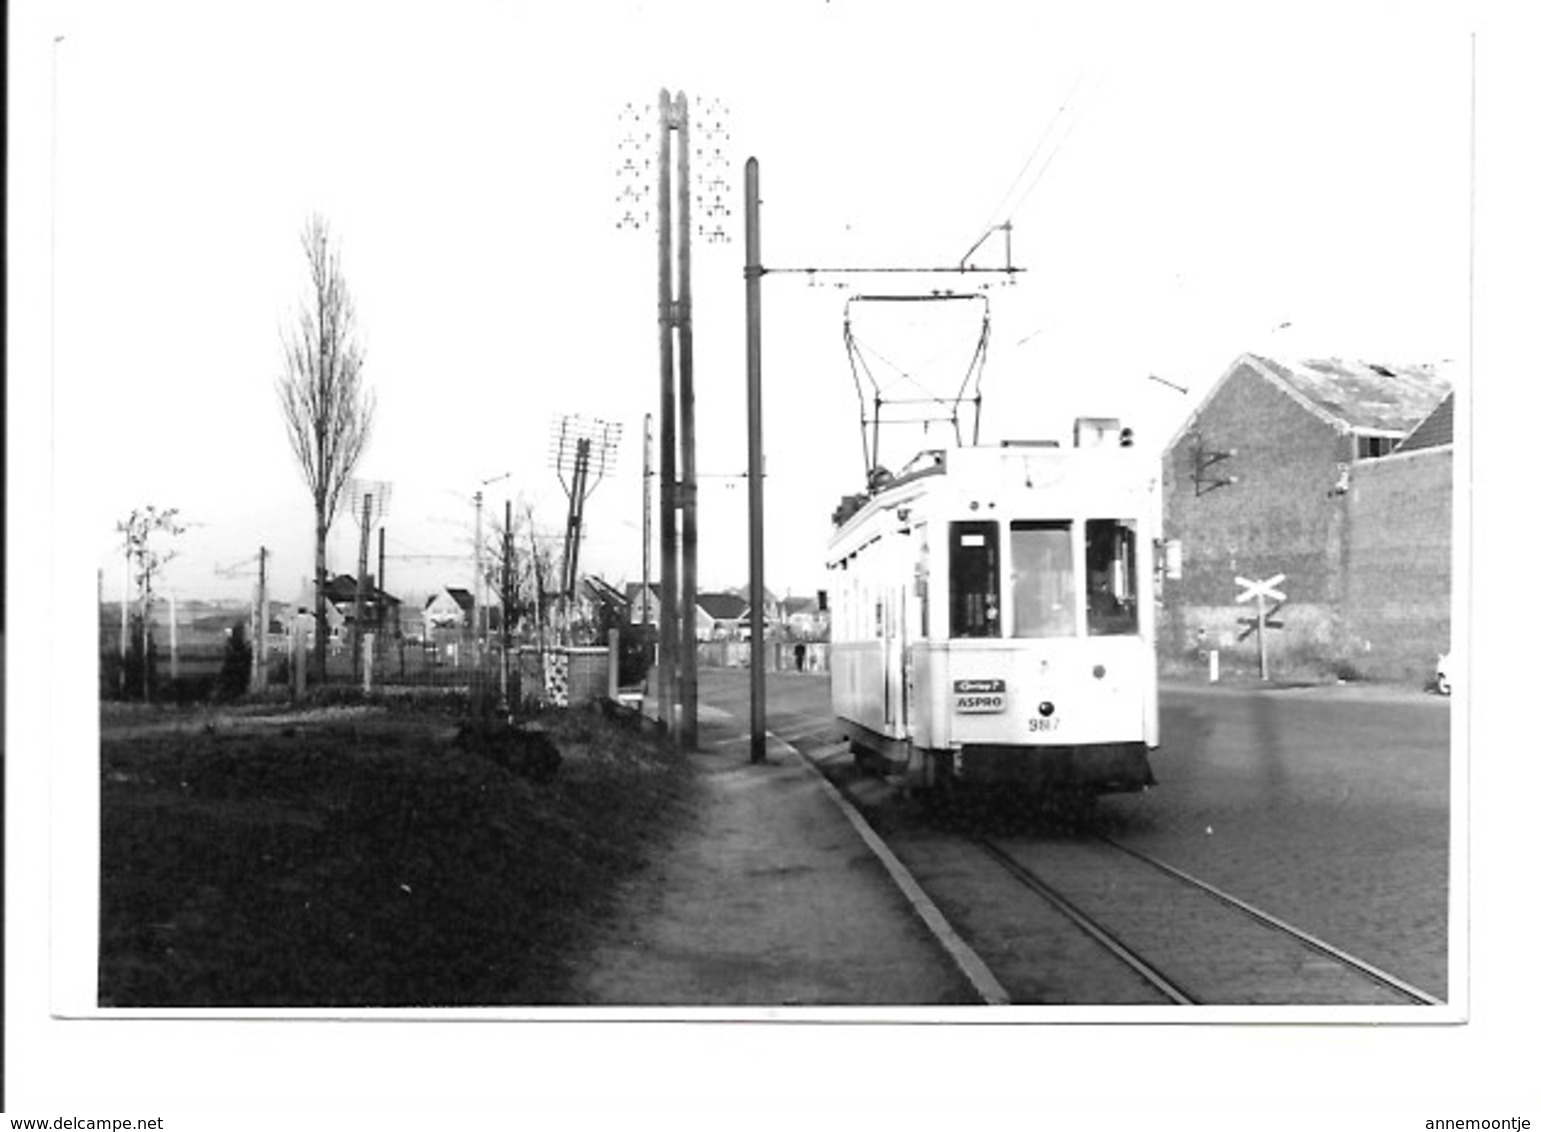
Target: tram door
(892,676)
(895,645)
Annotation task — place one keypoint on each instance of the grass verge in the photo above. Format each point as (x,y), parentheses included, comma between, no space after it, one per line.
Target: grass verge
(362,857)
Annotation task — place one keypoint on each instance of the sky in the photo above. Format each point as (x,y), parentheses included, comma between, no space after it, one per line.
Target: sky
(1180,189)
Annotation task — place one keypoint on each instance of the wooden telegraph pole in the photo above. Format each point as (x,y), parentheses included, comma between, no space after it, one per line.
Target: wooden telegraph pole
(259,669)
(676,633)
(668,548)
(358,585)
(687,438)
(647,518)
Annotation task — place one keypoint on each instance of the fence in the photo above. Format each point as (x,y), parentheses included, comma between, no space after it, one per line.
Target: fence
(200,666)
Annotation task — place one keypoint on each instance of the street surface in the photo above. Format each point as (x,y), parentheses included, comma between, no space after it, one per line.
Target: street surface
(1327,807)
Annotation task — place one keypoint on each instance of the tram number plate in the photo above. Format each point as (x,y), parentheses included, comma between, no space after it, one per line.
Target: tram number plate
(978,696)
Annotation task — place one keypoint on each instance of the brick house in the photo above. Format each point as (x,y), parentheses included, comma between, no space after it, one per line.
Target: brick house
(1292,468)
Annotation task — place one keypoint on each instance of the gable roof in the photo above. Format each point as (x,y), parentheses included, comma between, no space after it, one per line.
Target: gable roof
(634,590)
(341,588)
(722,607)
(1352,396)
(1435,429)
(603,593)
(1360,395)
(801,605)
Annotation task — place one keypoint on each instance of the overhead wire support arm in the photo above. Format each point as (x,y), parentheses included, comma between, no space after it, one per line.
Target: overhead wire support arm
(955,269)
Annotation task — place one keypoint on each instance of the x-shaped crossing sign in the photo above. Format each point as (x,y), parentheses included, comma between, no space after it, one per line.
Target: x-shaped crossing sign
(1264,590)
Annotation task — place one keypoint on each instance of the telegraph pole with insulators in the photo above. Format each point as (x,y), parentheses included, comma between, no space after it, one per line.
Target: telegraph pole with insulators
(677,496)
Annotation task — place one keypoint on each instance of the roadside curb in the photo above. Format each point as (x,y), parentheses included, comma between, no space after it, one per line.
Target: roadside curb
(985,985)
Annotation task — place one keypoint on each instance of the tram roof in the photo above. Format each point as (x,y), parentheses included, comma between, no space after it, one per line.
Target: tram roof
(1075,475)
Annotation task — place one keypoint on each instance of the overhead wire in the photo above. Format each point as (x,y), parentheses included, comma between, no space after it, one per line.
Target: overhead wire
(995,217)
(1075,120)
(1002,215)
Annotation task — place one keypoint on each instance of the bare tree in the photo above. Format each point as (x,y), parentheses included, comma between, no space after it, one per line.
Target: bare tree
(146,563)
(326,407)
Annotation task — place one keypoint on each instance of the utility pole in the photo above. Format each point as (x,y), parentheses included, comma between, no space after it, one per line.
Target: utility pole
(358,584)
(259,671)
(574,535)
(677,513)
(669,636)
(752,273)
(379,587)
(687,437)
(647,518)
(476,595)
(123,630)
(504,598)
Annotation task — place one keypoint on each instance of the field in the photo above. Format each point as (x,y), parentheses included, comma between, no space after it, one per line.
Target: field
(366,856)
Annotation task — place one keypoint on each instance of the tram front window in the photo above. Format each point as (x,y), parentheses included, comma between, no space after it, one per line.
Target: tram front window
(975,580)
(1110,578)
(1042,580)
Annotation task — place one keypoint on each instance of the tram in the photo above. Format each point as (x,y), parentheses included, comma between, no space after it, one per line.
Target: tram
(992,617)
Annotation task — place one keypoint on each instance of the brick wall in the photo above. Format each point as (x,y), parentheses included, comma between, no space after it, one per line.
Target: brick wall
(1282,516)
(1397,601)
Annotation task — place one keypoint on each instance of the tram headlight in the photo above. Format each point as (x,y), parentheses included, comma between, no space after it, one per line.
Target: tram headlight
(1046,709)
(1099,671)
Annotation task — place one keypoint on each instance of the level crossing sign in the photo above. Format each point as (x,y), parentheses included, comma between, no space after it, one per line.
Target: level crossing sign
(1264,589)
(1261,592)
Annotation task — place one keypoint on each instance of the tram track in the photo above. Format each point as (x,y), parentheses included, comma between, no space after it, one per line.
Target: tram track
(1122,940)
(1184,940)
(1337,954)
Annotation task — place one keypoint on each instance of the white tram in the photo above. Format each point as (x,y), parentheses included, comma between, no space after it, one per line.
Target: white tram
(992,616)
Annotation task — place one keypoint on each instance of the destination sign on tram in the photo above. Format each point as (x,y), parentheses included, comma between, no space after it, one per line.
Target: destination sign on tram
(978,696)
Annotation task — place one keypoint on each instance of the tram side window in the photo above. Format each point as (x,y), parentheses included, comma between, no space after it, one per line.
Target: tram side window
(1111,607)
(1042,580)
(975,571)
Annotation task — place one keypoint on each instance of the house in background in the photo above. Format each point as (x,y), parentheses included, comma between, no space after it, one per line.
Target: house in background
(449,607)
(635,603)
(805,620)
(604,604)
(719,616)
(301,615)
(411,623)
(378,609)
(1292,468)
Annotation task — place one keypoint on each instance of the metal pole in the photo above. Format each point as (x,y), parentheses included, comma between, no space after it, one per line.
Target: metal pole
(123,632)
(476,609)
(575,520)
(171,597)
(668,613)
(262,608)
(378,588)
(647,519)
(752,273)
(503,597)
(687,438)
(1262,647)
(358,586)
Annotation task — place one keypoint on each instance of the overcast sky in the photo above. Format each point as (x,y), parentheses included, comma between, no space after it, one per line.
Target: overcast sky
(1179,190)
